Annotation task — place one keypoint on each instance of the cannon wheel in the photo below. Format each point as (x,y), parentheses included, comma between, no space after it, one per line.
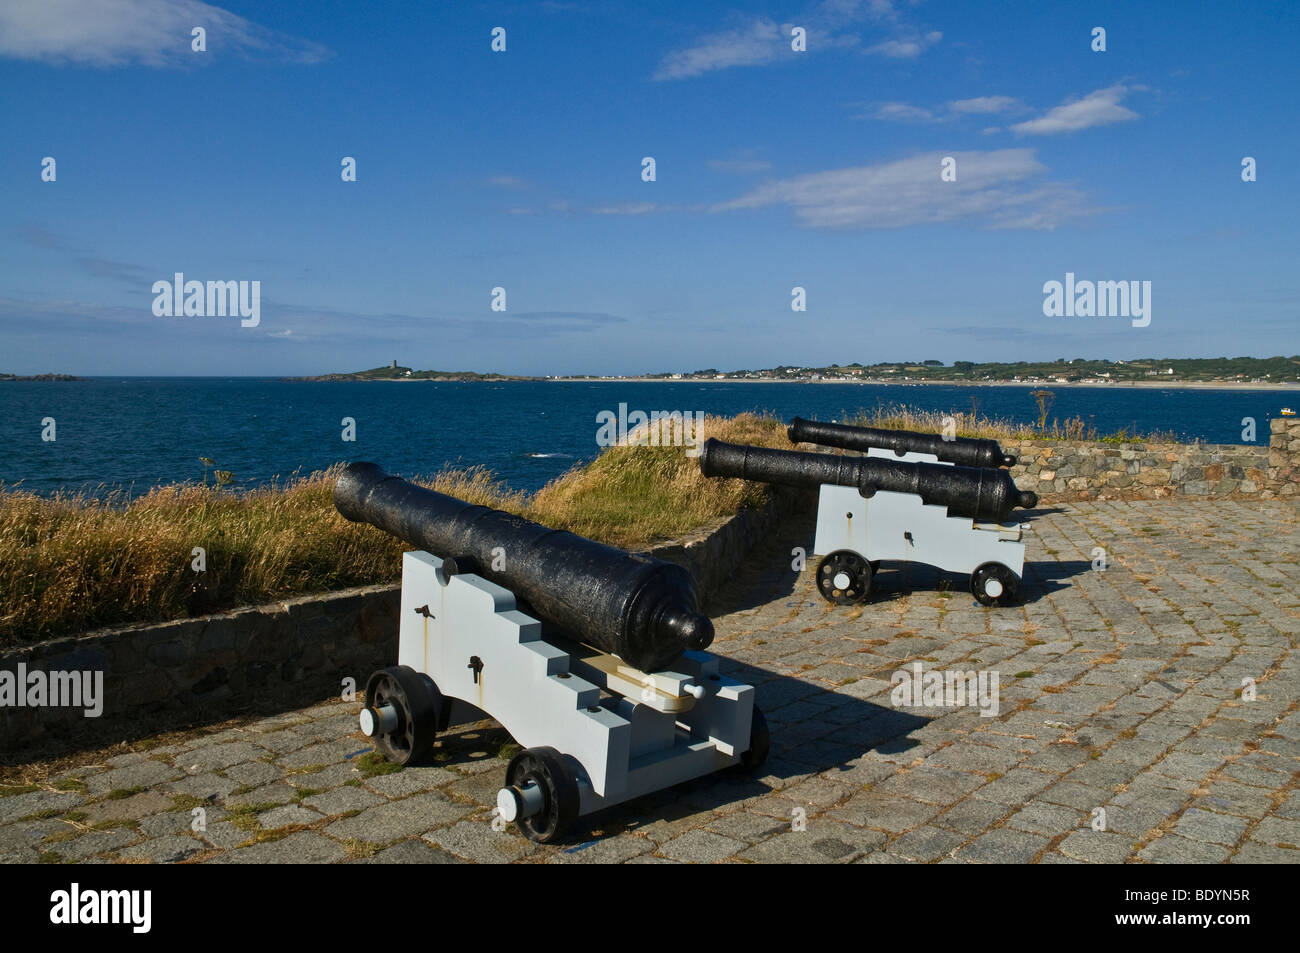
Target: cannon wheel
(549,770)
(844,578)
(760,740)
(993,584)
(419,707)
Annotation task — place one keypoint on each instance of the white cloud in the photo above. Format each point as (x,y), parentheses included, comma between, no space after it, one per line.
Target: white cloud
(107,33)
(740,166)
(958,109)
(507,182)
(984,105)
(992,190)
(759,41)
(908,48)
(628,208)
(902,112)
(1098,108)
(746,162)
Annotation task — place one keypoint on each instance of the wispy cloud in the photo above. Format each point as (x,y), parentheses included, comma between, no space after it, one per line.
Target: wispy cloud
(296,324)
(108,33)
(120,271)
(993,189)
(325,325)
(746,162)
(984,105)
(957,109)
(829,25)
(40,237)
(1099,108)
(758,41)
(908,47)
(900,112)
(629,208)
(507,182)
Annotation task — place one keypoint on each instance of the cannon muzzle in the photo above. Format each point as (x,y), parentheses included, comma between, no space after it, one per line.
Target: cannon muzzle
(980,493)
(642,609)
(963,451)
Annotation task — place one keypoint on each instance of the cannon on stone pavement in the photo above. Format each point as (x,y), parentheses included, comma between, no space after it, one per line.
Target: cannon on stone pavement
(872,509)
(589,656)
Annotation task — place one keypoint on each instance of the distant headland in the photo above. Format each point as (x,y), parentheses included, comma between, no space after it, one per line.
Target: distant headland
(1159,372)
(40,377)
(396,372)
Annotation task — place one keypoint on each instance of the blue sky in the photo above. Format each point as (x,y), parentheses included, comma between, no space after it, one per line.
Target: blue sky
(522,170)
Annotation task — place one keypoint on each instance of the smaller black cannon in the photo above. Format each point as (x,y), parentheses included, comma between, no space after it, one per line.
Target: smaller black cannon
(963,451)
(872,509)
(977,492)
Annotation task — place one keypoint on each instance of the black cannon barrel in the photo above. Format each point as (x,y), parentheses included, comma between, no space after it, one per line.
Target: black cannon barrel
(964,451)
(978,492)
(642,609)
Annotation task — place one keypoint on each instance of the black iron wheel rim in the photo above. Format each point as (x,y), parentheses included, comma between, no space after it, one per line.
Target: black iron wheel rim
(851,564)
(529,767)
(980,580)
(400,742)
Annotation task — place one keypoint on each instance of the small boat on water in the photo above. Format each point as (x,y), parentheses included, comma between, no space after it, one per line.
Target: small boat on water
(1288,412)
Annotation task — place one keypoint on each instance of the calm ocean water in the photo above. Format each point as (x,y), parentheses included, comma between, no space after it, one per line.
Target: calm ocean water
(140,432)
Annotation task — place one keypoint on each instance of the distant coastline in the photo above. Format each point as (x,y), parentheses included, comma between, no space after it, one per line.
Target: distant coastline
(1239,373)
(508,379)
(1153,385)
(40,377)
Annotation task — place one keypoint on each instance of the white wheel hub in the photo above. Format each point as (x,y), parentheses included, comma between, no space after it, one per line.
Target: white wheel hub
(378,721)
(514,803)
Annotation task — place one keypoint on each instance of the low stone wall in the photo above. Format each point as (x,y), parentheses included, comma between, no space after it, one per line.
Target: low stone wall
(298,651)
(1284,457)
(714,554)
(277,656)
(190,671)
(1069,470)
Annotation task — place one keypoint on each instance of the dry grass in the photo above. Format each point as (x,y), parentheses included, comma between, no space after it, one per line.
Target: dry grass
(901,417)
(633,496)
(74,563)
(68,564)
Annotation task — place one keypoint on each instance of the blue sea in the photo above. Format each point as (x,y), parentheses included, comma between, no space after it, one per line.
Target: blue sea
(136,433)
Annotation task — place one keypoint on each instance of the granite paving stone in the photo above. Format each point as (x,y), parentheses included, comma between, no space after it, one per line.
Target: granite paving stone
(342,800)
(1131,703)
(386,822)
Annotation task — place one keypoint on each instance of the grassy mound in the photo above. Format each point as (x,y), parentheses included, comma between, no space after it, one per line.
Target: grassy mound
(68,564)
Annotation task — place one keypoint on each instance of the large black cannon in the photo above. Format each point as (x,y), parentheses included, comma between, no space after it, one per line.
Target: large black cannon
(963,451)
(644,610)
(977,492)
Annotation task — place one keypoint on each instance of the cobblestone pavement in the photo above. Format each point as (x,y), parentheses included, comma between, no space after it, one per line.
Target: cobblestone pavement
(1120,690)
